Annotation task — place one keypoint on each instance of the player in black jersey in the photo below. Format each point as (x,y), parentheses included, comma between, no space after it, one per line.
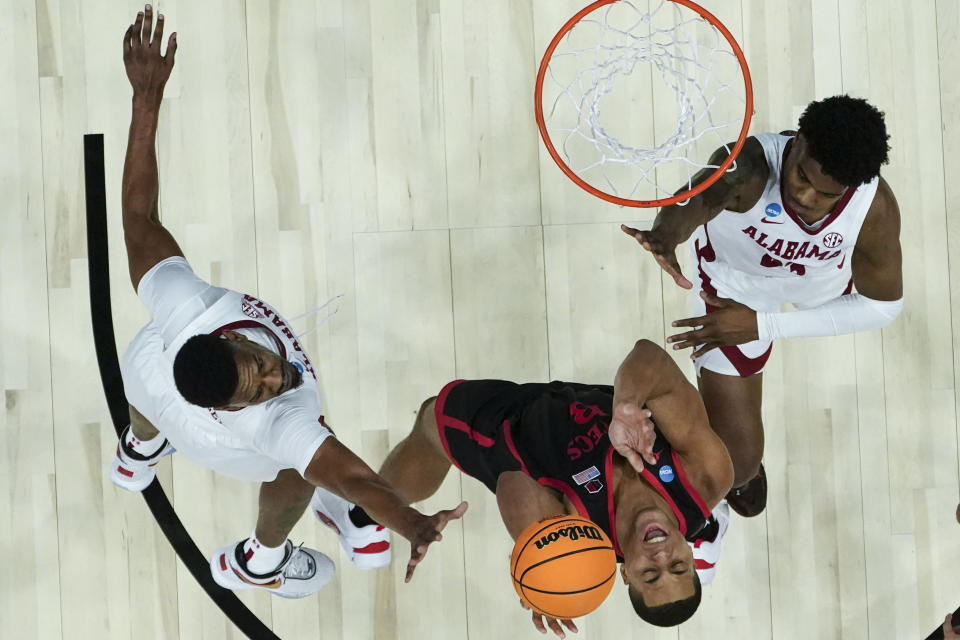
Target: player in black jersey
(638,458)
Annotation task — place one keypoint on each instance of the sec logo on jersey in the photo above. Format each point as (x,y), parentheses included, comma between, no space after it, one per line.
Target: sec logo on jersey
(832,239)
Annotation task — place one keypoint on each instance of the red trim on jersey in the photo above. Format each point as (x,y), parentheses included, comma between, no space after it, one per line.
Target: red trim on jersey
(834,213)
(608,472)
(703,564)
(446,422)
(849,288)
(566,490)
(443,419)
(744,365)
(658,487)
(513,449)
(682,477)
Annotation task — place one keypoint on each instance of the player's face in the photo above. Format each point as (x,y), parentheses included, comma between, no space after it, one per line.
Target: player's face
(806,189)
(262,374)
(659,563)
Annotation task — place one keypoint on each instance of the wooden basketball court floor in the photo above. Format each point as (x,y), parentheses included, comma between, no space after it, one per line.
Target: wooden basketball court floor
(386,150)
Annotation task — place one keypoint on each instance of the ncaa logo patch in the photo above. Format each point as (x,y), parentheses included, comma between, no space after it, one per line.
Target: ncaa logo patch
(666,473)
(832,239)
(773,210)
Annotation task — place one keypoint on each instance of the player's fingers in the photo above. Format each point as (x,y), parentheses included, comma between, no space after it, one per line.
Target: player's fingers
(556,628)
(682,281)
(632,457)
(698,321)
(694,341)
(630,231)
(715,301)
(171,48)
(571,625)
(136,37)
(703,349)
(538,622)
(147,24)
(686,335)
(126,40)
(158,34)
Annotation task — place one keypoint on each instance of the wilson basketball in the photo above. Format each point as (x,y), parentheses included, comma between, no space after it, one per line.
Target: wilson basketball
(563,567)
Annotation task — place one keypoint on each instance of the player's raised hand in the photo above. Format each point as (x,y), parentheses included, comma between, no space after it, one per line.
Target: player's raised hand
(631,434)
(552,623)
(426,530)
(664,252)
(147,70)
(949,631)
(731,323)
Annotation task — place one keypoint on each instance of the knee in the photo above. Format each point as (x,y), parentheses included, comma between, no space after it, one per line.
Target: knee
(746,462)
(426,425)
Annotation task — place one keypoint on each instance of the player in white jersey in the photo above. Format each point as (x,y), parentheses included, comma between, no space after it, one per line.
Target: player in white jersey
(803,218)
(220,376)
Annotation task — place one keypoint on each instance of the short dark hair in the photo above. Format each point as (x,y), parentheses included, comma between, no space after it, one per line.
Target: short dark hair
(205,371)
(670,614)
(847,136)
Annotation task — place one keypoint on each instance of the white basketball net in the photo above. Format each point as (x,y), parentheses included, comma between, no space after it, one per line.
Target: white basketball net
(672,129)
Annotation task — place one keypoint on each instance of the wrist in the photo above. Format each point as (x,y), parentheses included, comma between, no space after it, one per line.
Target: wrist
(147,103)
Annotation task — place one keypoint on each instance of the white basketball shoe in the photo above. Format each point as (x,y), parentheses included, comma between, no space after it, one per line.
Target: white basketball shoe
(303,571)
(367,547)
(133,471)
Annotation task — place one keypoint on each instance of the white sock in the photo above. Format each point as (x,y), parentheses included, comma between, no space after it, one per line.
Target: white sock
(262,559)
(146,448)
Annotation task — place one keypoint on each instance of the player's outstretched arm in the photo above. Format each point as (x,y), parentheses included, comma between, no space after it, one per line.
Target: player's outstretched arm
(649,384)
(674,223)
(335,468)
(147,241)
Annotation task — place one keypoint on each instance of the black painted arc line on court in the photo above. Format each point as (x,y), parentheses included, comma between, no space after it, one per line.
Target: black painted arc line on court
(106,349)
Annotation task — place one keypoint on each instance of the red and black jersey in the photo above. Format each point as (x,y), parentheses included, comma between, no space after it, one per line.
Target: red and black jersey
(557,434)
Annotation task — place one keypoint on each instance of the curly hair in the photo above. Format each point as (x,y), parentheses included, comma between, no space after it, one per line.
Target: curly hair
(847,136)
(205,371)
(670,614)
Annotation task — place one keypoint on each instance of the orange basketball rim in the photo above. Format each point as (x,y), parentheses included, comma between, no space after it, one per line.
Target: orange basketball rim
(662,49)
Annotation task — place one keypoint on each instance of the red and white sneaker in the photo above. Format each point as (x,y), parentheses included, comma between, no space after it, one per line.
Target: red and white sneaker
(367,547)
(132,471)
(303,571)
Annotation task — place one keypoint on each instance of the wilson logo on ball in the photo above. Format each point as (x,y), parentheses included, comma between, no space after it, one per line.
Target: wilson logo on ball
(574,532)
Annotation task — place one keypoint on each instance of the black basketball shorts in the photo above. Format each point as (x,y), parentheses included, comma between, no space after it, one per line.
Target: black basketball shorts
(471,418)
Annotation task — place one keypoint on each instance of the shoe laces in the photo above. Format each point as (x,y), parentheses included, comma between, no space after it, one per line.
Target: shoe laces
(299,565)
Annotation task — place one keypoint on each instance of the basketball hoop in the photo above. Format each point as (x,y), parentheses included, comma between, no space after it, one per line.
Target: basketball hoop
(605,60)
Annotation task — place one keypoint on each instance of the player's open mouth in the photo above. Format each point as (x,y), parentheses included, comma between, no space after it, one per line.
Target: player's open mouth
(654,534)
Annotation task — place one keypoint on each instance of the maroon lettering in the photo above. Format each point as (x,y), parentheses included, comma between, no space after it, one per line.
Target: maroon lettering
(767,261)
(789,251)
(776,247)
(802,250)
(760,240)
(798,269)
(815,253)
(751,231)
(834,254)
(582,414)
(595,433)
(587,443)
